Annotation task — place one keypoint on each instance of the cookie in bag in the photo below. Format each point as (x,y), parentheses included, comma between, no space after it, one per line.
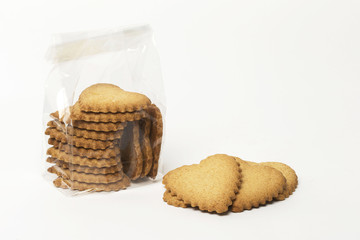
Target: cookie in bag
(79,141)
(84,133)
(92,187)
(109,98)
(83,161)
(84,168)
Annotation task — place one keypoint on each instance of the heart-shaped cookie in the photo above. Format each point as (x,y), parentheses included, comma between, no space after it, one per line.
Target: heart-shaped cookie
(260,184)
(211,185)
(289,174)
(109,98)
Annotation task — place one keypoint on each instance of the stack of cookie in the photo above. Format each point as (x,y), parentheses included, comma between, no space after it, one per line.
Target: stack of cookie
(107,138)
(221,183)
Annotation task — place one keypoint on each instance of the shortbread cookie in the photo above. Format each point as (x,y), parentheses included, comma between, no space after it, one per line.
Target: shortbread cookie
(52,160)
(77,114)
(172,200)
(99,126)
(87,134)
(92,187)
(91,126)
(86,177)
(103,97)
(155,137)
(78,141)
(290,176)
(132,157)
(146,147)
(211,185)
(84,152)
(83,161)
(85,169)
(260,184)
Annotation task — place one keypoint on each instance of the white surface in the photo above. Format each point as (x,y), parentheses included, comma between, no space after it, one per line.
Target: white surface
(263,80)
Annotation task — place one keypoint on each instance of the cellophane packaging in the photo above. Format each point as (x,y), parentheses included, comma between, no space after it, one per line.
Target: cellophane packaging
(103,112)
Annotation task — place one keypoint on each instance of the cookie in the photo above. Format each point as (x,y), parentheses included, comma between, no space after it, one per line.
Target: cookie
(75,114)
(147,152)
(83,161)
(172,200)
(52,160)
(85,169)
(86,177)
(131,155)
(92,187)
(109,98)
(260,184)
(156,133)
(211,185)
(99,126)
(91,126)
(82,133)
(290,176)
(84,152)
(78,141)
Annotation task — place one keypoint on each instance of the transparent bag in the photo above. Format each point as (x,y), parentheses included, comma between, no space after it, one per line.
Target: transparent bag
(103,110)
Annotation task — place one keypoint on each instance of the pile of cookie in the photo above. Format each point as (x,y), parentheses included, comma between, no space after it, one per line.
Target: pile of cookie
(106,139)
(221,183)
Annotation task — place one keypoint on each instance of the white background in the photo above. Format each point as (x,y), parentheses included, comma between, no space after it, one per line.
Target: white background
(262,80)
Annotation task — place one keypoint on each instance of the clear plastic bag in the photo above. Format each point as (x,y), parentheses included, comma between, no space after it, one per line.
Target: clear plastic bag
(103,110)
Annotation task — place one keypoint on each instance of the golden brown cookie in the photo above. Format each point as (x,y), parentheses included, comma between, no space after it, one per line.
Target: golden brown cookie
(211,185)
(83,161)
(52,160)
(85,169)
(79,141)
(146,147)
(172,200)
(99,126)
(131,155)
(260,184)
(156,133)
(85,152)
(82,133)
(86,177)
(91,126)
(92,187)
(103,97)
(74,113)
(290,176)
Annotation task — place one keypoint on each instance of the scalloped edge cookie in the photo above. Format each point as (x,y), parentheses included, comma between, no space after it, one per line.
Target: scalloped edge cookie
(105,98)
(210,185)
